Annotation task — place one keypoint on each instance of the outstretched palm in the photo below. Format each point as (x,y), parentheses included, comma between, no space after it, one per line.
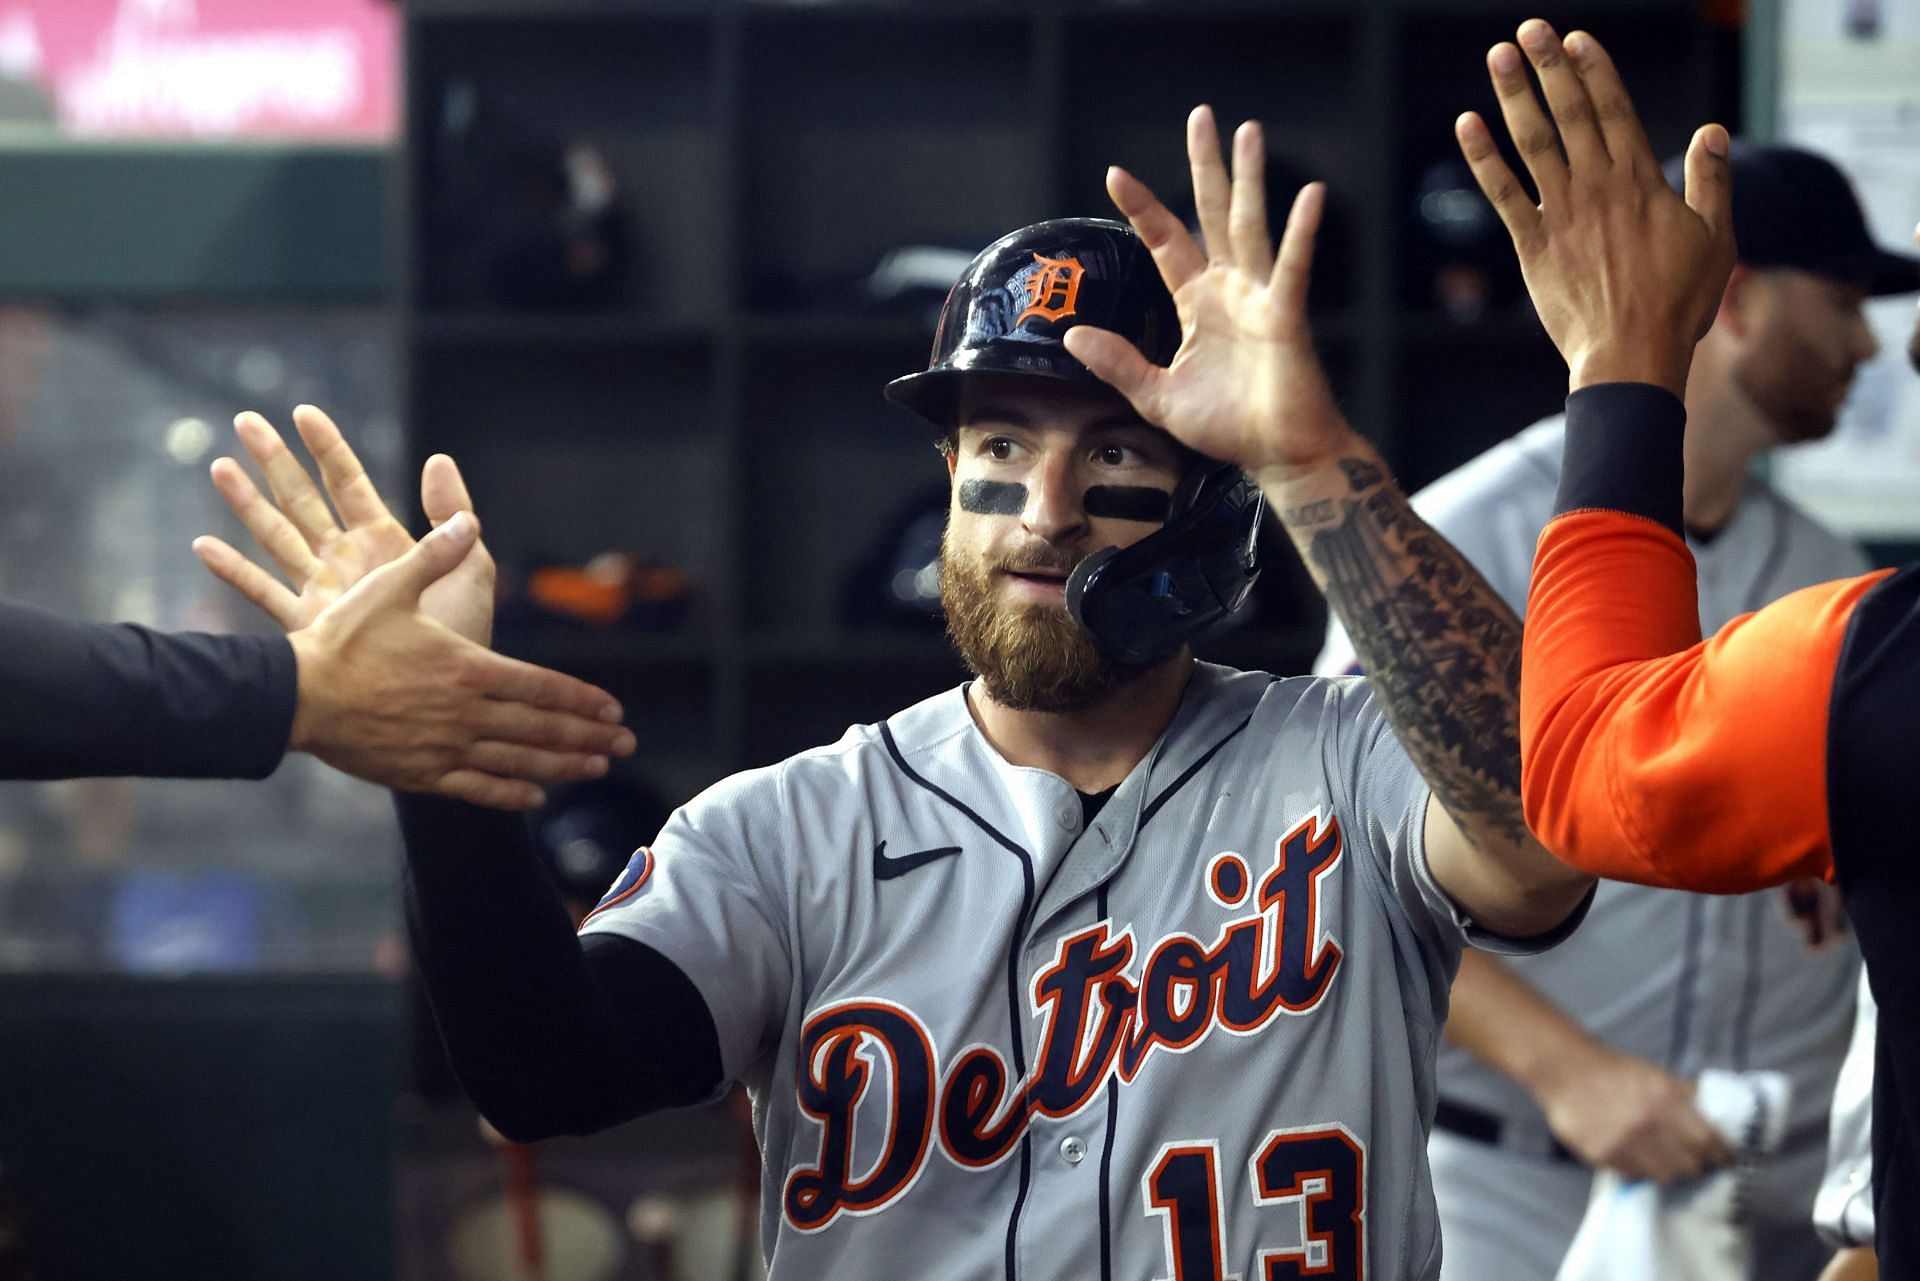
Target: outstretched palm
(323,555)
(1246,385)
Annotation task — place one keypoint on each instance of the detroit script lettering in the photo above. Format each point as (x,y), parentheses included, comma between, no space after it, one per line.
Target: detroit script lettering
(1098,1024)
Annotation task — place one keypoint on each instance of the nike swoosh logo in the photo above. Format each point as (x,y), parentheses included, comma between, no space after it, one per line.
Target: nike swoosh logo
(885,868)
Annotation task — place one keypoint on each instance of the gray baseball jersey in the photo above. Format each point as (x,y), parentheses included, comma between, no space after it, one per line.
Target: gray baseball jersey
(1192,1039)
(1688,981)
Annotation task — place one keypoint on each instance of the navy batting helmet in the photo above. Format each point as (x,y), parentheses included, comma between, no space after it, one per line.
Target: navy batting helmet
(1007,315)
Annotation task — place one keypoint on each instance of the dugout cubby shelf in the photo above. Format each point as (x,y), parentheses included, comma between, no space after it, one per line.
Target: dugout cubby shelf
(724,415)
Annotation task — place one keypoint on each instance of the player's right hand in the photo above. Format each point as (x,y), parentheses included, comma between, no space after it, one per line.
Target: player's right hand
(1245,386)
(1622,1113)
(1625,274)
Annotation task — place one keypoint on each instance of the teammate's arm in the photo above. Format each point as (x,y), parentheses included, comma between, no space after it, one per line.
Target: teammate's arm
(367,685)
(1610,1109)
(1246,386)
(1621,700)
(82,699)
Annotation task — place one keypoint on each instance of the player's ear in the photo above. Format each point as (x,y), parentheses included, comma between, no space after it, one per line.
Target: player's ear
(1739,304)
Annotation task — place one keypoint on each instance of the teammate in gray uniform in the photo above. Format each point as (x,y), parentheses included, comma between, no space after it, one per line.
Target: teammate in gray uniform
(1587,1052)
(1090,967)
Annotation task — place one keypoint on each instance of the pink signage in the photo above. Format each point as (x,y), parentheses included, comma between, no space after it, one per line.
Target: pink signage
(204,69)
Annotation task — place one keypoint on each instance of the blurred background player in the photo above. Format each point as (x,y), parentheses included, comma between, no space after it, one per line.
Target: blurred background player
(1582,1058)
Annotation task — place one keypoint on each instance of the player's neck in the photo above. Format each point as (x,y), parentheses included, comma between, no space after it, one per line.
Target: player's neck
(1094,748)
(1724,436)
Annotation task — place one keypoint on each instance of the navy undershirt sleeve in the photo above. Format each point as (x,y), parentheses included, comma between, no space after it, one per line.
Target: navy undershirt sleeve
(549,1033)
(84,700)
(1624,452)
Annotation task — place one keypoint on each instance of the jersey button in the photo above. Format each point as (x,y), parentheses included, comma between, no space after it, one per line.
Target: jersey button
(1068,816)
(1073,1150)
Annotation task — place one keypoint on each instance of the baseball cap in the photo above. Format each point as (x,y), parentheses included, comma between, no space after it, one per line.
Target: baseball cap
(1792,208)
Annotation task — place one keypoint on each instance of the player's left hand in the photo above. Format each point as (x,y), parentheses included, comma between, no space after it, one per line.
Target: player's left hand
(324,555)
(395,684)
(1246,385)
(1626,275)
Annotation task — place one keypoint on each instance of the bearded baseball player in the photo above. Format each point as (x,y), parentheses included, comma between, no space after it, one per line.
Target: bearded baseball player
(1107,963)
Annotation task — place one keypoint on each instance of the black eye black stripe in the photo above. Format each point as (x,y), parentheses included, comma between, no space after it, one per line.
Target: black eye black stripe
(992,497)
(1109,502)
(1129,502)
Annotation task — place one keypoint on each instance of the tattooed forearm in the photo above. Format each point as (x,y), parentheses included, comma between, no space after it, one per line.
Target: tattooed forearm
(1318,512)
(1442,649)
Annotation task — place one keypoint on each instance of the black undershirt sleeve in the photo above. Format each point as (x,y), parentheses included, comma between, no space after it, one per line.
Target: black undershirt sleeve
(81,700)
(549,1033)
(1623,452)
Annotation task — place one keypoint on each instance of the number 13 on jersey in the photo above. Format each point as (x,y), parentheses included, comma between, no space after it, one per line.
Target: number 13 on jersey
(1318,1171)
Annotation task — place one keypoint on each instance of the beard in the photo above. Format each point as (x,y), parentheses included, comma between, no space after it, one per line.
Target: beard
(1800,398)
(1031,658)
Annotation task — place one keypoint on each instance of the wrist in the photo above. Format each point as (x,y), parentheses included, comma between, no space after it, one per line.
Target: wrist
(306,660)
(1550,1069)
(1305,493)
(1662,365)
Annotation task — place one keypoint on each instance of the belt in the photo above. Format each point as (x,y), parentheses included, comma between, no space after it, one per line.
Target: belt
(1479,1126)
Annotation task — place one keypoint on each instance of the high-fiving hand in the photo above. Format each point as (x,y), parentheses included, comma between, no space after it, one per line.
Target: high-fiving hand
(1626,275)
(1246,386)
(395,683)
(324,555)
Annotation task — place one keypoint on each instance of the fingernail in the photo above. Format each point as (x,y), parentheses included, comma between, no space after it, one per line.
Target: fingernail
(597,766)
(1717,142)
(610,712)
(625,744)
(1505,59)
(1535,35)
(1578,45)
(457,525)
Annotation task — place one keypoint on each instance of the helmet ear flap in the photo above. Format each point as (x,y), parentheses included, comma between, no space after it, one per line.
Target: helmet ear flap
(1195,471)
(1142,602)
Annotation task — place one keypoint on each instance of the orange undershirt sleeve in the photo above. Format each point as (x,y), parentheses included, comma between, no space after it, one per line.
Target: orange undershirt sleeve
(1652,756)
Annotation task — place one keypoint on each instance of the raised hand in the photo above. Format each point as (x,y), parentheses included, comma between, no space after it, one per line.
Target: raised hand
(323,555)
(396,685)
(1246,385)
(1626,275)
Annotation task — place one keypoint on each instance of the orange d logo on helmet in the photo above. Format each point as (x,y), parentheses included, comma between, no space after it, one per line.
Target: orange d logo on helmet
(1053,290)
